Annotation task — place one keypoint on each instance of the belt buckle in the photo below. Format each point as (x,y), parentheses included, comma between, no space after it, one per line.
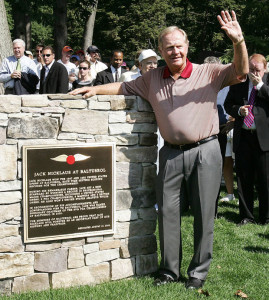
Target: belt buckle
(181,147)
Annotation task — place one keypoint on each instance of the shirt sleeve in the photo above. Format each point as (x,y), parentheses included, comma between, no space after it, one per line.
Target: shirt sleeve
(5,75)
(139,86)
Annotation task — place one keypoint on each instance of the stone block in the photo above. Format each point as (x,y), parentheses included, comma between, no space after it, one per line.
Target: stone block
(37,111)
(126,139)
(11,244)
(16,264)
(82,276)
(117,117)
(109,244)
(117,129)
(128,175)
(10,104)
(148,139)
(140,117)
(8,230)
(90,248)
(34,100)
(102,256)
(103,98)
(99,105)
(144,128)
(146,264)
(10,197)
(9,212)
(13,185)
(126,215)
(8,170)
(75,258)
(122,268)
(147,213)
(3,135)
(5,287)
(135,228)
(149,176)
(73,243)
(135,198)
(35,282)
(94,239)
(137,154)
(63,97)
(143,105)
(32,128)
(74,103)
(51,261)
(138,245)
(83,121)
(123,104)
(39,247)
(67,136)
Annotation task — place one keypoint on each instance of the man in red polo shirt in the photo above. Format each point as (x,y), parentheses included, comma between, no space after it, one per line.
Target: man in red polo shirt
(183,96)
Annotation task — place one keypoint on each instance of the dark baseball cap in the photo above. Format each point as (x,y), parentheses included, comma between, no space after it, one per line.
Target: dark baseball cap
(93,49)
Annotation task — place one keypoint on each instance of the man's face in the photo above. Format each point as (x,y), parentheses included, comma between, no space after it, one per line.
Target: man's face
(117,59)
(18,50)
(256,68)
(66,55)
(174,50)
(48,56)
(148,64)
(38,51)
(94,55)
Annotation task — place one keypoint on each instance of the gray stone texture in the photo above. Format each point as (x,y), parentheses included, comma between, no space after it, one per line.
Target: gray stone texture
(51,261)
(8,170)
(146,264)
(137,154)
(122,268)
(83,121)
(128,175)
(10,104)
(35,282)
(32,128)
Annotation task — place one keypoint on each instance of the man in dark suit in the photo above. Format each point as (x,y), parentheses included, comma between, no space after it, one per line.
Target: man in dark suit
(248,103)
(113,73)
(54,76)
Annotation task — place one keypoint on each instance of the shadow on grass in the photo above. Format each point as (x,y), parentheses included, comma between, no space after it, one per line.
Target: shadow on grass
(257,249)
(230,216)
(262,235)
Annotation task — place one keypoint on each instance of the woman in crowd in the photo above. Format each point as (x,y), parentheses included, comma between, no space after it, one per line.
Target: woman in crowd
(84,77)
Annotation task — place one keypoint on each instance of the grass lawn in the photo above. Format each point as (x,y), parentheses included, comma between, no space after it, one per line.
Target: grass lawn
(240,262)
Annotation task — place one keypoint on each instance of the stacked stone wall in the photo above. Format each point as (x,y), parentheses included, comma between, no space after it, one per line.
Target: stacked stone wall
(65,119)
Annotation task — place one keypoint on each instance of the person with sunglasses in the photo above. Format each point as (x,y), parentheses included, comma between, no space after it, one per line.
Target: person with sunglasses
(84,76)
(54,77)
(39,63)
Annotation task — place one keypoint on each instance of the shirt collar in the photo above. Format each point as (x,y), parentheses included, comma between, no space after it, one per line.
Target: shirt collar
(185,74)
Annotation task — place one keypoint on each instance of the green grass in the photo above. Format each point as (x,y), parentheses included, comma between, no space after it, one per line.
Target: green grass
(240,262)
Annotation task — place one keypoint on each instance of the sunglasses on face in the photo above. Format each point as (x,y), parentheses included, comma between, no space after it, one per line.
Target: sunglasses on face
(46,55)
(83,68)
(38,51)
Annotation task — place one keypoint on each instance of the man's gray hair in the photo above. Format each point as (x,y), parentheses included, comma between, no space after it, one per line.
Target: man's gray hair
(168,30)
(19,41)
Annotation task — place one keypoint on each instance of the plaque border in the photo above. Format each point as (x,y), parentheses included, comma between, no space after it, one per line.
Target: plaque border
(25,193)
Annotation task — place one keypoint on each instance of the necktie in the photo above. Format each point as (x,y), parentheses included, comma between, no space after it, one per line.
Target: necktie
(249,119)
(18,67)
(116,76)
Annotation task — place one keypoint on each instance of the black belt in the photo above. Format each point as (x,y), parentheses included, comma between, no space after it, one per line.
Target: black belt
(251,131)
(190,146)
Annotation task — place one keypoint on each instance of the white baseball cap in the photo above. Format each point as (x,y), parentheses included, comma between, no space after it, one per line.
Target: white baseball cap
(146,54)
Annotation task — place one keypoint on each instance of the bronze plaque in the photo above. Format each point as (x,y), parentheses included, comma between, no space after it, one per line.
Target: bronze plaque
(68,191)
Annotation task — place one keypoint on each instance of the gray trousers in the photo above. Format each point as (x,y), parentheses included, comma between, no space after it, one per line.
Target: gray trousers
(200,168)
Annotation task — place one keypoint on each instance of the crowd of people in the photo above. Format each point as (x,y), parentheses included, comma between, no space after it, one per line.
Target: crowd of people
(195,106)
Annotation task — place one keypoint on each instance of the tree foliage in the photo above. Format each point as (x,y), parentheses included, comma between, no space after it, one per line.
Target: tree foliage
(135,24)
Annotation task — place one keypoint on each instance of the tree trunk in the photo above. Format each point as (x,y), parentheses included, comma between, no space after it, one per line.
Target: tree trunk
(88,32)
(5,37)
(60,27)
(28,36)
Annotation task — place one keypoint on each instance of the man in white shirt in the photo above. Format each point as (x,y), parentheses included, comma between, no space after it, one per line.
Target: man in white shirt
(70,67)
(13,66)
(93,56)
